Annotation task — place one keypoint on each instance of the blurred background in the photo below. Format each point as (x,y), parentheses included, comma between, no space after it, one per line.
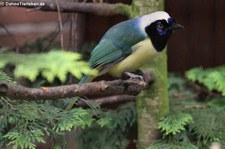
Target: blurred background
(201,43)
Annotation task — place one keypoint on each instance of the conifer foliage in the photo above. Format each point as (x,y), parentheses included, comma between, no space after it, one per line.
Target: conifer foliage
(23,123)
(191,124)
(51,65)
(212,78)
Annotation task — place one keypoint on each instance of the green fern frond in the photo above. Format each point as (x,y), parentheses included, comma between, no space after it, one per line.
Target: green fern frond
(24,139)
(24,123)
(209,125)
(212,78)
(218,103)
(51,65)
(4,77)
(174,122)
(172,145)
(74,118)
(110,130)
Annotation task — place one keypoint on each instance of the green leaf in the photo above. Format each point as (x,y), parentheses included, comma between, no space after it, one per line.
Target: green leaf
(212,78)
(111,130)
(174,122)
(24,139)
(208,125)
(172,145)
(218,103)
(5,77)
(105,121)
(51,65)
(72,119)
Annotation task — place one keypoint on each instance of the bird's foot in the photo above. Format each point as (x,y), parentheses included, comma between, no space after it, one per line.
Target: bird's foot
(134,76)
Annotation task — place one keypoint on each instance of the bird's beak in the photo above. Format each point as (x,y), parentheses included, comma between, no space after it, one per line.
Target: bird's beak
(176,26)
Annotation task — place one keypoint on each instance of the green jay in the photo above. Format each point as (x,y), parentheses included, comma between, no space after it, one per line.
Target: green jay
(128,45)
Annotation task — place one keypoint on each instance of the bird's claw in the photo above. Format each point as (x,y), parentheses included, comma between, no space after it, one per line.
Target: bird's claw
(134,76)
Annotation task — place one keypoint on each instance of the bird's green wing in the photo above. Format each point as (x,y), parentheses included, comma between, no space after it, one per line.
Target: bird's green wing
(106,52)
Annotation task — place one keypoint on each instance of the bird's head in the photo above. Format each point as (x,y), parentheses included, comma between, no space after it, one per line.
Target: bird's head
(159,26)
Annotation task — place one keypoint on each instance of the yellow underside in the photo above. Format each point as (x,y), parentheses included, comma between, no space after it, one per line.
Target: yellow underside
(143,53)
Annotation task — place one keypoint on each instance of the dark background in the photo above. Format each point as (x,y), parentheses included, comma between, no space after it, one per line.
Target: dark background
(202,42)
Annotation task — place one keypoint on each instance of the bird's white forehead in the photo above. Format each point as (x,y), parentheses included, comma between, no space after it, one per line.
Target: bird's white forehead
(150,18)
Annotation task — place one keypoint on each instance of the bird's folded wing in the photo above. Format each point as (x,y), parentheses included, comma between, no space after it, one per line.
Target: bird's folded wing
(105,53)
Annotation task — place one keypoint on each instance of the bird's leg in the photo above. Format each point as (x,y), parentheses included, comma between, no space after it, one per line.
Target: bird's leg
(135,75)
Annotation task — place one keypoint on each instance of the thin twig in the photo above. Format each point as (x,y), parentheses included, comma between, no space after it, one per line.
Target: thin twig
(71,38)
(51,37)
(60,24)
(75,36)
(105,101)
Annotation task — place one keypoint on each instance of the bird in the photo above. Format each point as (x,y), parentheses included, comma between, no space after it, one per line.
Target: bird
(130,44)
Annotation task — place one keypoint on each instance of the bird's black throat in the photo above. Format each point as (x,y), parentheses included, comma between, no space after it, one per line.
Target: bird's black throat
(158,41)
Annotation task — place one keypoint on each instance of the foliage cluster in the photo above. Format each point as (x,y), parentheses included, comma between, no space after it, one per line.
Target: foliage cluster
(23,123)
(190,123)
(51,65)
(212,78)
(111,130)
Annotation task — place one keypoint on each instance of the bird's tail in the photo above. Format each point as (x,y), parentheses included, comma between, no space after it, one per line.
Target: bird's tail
(70,103)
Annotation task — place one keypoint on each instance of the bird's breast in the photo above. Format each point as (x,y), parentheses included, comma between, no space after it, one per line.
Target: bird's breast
(143,52)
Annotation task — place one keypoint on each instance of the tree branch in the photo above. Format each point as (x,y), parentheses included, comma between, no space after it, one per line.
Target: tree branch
(105,101)
(101,88)
(103,9)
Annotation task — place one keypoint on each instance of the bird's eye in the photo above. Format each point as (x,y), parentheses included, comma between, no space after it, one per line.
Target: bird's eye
(160,26)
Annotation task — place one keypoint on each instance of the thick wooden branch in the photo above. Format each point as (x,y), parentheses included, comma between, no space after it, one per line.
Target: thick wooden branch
(106,101)
(102,88)
(103,9)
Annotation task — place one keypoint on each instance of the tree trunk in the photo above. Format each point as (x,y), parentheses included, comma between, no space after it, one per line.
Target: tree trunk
(78,23)
(152,103)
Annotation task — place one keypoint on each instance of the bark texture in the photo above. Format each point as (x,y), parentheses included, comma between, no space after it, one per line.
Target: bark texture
(152,103)
(93,89)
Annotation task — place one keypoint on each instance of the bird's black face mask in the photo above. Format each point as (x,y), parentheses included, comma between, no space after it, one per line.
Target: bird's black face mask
(160,31)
